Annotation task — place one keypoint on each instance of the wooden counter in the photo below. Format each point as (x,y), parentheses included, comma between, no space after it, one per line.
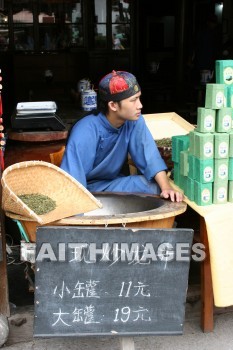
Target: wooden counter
(24,146)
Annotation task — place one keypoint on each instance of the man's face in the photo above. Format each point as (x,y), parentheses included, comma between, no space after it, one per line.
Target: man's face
(129,108)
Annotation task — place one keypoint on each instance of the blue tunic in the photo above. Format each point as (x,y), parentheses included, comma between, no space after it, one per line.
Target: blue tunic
(96,152)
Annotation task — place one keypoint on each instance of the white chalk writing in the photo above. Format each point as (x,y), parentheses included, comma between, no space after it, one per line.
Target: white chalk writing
(85,314)
(85,289)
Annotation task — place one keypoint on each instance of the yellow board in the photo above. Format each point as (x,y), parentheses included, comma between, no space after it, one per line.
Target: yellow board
(166,125)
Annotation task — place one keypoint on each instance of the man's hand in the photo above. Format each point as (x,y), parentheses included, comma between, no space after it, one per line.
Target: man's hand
(174,196)
(166,190)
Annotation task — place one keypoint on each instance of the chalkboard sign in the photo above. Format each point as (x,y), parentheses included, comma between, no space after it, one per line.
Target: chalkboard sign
(110,281)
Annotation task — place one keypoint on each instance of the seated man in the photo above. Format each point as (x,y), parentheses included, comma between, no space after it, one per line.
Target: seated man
(99,143)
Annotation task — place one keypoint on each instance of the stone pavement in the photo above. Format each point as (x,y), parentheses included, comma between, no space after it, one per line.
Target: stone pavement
(21,337)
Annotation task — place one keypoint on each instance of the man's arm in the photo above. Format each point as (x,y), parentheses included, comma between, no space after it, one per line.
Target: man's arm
(80,152)
(166,189)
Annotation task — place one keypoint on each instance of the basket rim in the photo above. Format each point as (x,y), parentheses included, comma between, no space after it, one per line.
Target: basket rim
(9,193)
(16,199)
(32,163)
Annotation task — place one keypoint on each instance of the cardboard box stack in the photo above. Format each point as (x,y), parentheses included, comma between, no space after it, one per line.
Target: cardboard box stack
(203,159)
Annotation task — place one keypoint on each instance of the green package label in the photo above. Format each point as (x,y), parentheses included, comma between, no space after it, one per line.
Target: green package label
(228,75)
(226,122)
(220,99)
(208,149)
(208,174)
(205,195)
(223,171)
(221,194)
(222,149)
(208,122)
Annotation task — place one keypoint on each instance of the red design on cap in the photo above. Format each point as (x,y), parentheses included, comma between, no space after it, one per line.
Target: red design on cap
(117,84)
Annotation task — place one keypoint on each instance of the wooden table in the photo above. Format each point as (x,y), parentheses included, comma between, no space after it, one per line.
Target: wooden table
(207,293)
(207,297)
(36,145)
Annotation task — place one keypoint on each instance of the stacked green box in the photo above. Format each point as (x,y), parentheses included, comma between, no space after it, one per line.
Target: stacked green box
(194,167)
(177,173)
(183,183)
(191,141)
(180,180)
(175,149)
(230,191)
(221,145)
(184,163)
(231,144)
(191,166)
(192,173)
(205,120)
(219,97)
(208,175)
(220,192)
(224,72)
(224,119)
(215,97)
(179,143)
(230,170)
(221,169)
(230,96)
(204,145)
(190,188)
(204,170)
(202,193)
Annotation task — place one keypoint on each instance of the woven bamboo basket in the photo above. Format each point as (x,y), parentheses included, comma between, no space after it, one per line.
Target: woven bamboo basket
(33,177)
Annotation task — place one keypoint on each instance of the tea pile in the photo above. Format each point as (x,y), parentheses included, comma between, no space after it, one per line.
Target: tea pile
(165,142)
(165,148)
(39,203)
